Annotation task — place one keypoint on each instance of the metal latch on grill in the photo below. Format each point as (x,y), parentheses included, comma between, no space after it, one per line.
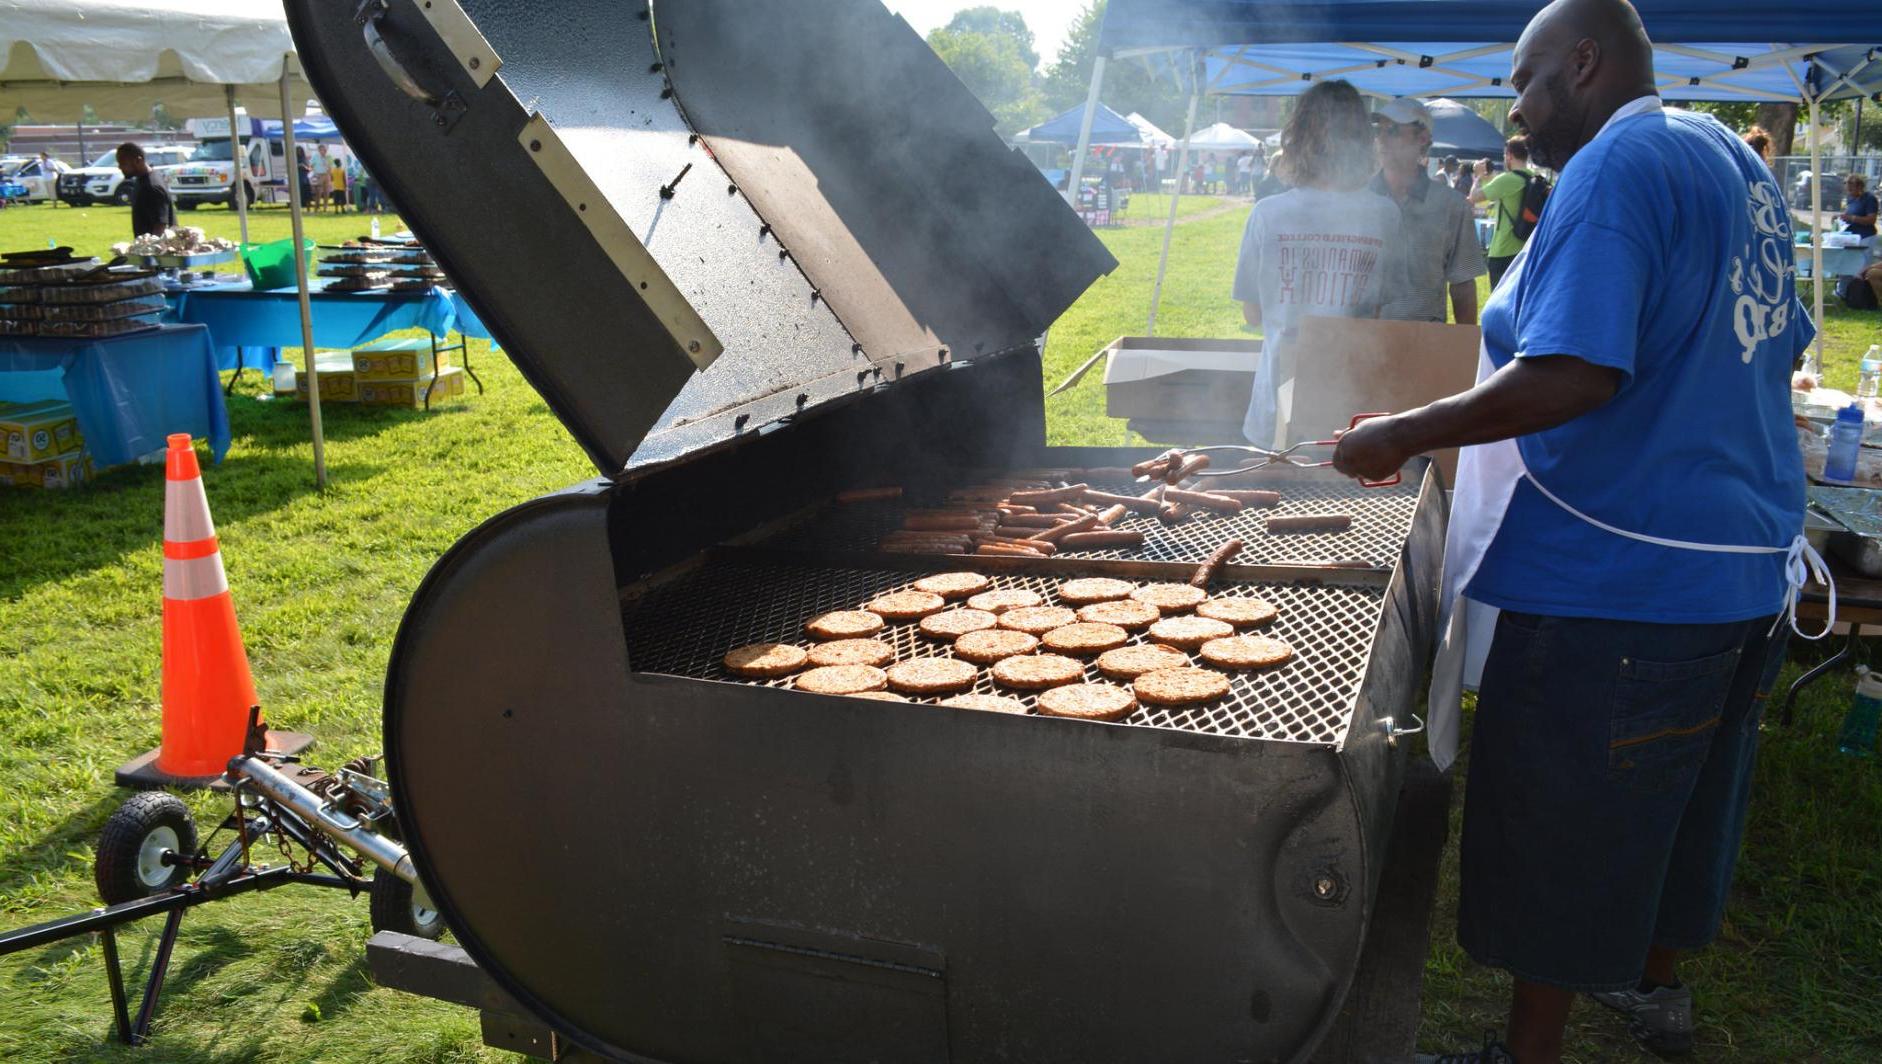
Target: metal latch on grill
(1393,730)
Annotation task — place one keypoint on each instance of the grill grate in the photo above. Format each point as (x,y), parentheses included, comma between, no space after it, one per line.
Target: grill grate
(684,628)
(1381,523)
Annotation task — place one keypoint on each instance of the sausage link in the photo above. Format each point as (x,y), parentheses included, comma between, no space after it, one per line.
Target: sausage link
(868,494)
(1081,524)
(1101,540)
(1205,498)
(1031,520)
(1311,523)
(1000,550)
(1113,515)
(1143,504)
(1048,496)
(1206,571)
(1179,473)
(1154,468)
(1253,498)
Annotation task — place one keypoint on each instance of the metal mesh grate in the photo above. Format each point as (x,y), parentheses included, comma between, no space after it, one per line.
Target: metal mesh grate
(1381,522)
(685,627)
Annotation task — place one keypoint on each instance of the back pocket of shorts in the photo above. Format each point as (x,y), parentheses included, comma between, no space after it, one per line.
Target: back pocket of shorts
(1663,717)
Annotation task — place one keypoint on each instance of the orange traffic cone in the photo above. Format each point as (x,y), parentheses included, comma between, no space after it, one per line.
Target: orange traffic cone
(207,689)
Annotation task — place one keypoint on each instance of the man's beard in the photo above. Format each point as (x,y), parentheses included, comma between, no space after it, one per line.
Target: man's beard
(1553,144)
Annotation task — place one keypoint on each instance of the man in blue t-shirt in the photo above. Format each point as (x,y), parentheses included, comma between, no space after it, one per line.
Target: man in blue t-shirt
(1629,488)
(1859,213)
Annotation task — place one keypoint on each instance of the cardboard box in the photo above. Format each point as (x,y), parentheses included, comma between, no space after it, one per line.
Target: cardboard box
(58,472)
(411,393)
(338,382)
(1174,390)
(1353,366)
(33,432)
(405,359)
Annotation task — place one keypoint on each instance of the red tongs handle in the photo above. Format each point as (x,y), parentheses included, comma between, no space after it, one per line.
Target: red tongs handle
(1391,481)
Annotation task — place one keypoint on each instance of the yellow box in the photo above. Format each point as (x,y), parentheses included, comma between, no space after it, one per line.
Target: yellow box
(338,382)
(411,393)
(33,432)
(60,471)
(406,359)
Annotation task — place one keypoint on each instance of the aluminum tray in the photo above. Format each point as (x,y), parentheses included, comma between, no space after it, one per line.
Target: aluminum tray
(186,262)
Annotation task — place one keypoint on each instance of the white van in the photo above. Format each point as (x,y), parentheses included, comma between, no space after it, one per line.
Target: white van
(205,176)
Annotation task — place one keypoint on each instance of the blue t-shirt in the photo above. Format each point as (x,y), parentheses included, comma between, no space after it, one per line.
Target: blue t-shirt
(1862,206)
(1665,253)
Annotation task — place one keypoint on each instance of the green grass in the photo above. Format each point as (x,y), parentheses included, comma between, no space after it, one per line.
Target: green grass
(92,230)
(321,581)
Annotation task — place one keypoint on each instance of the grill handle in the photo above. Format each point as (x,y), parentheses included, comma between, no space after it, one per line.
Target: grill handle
(1393,730)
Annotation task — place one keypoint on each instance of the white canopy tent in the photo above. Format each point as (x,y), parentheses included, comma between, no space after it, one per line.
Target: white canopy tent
(1223,137)
(1153,137)
(122,57)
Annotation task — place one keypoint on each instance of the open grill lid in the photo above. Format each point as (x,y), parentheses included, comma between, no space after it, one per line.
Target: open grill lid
(777,204)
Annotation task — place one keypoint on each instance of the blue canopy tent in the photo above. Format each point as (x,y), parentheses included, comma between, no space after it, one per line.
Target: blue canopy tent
(311,128)
(1107,127)
(1458,130)
(1462,48)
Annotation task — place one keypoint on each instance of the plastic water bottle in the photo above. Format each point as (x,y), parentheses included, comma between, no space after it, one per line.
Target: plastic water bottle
(1865,712)
(375,236)
(1870,382)
(1845,442)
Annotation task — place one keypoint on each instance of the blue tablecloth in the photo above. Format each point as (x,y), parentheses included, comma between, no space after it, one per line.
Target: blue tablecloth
(467,321)
(129,392)
(239,316)
(1837,262)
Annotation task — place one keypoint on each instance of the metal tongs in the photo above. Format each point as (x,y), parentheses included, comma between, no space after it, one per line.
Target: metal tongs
(1284,456)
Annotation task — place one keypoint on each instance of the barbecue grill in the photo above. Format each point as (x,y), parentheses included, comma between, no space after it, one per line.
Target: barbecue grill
(754,255)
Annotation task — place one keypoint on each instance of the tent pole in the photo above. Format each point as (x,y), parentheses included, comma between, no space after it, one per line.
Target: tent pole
(293,167)
(1084,133)
(1816,236)
(238,166)
(1169,225)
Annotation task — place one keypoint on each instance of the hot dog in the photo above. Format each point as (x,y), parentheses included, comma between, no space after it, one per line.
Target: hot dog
(1113,515)
(1079,525)
(1187,468)
(1031,520)
(1204,498)
(1252,498)
(1146,504)
(1048,496)
(1154,468)
(1311,523)
(1000,550)
(868,494)
(1206,571)
(1100,540)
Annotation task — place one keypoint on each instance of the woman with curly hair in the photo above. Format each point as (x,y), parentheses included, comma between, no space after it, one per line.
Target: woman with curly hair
(1319,249)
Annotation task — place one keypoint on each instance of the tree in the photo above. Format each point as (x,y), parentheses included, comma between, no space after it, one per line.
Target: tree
(1128,85)
(994,22)
(995,71)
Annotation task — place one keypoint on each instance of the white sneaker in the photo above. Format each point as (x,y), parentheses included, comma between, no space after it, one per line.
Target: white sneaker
(1660,1020)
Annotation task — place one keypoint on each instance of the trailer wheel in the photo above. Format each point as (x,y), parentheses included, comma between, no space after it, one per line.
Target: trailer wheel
(130,861)
(395,907)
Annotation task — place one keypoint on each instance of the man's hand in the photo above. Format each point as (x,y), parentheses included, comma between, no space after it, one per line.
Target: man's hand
(1481,167)
(1370,450)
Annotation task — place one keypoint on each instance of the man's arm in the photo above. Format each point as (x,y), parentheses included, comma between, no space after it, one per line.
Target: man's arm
(1528,395)
(1251,313)
(1464,302)
(1862,219)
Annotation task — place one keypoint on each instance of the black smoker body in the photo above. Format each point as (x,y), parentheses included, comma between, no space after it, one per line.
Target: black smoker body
(668,866)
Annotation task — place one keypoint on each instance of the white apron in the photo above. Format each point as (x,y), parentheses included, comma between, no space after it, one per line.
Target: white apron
(1486,479)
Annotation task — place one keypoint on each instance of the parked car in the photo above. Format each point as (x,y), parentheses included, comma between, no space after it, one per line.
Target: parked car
(40,176)
(1832,191)
(102,181)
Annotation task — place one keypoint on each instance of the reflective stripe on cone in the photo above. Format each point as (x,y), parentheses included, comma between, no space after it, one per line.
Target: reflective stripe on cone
(188,579)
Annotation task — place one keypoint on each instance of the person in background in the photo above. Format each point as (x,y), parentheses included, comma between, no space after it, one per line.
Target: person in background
(1760,142)
(338,178)
(1504,193)
(1271,183)
(1257,170)
(304,171)
(322,179)
(1461,177)
(1640,571)
(1316,250)
(152,210)
(1160,168)
(1436,250)
(1859,213)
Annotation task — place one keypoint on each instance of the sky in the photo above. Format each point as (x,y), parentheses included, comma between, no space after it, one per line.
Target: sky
(1049,19)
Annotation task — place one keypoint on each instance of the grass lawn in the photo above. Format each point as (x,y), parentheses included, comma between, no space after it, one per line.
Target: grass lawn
(321,581)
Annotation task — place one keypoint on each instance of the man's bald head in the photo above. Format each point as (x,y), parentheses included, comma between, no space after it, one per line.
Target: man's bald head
(1575,64)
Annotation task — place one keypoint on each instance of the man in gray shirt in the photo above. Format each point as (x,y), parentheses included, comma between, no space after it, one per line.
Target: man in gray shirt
(1437,247)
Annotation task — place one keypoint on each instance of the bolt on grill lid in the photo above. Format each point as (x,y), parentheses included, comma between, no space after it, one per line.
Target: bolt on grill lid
(685,221)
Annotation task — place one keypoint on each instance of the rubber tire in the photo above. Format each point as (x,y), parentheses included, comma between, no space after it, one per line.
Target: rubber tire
(188,204)
(246,188)
(391,909)
(122,197)
(122,840)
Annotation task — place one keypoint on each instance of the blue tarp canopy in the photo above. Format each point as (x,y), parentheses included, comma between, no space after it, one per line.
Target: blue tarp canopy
(1107,128)
(314,127)
(1462,47)
(1458,130)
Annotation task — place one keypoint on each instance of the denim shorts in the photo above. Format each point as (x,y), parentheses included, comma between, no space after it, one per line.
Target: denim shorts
(1610,769)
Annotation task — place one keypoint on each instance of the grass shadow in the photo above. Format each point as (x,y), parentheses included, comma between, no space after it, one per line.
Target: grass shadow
(55,535)
(53,851)
(284,424)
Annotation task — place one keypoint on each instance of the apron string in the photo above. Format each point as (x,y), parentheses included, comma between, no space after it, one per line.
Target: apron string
(1801,561)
